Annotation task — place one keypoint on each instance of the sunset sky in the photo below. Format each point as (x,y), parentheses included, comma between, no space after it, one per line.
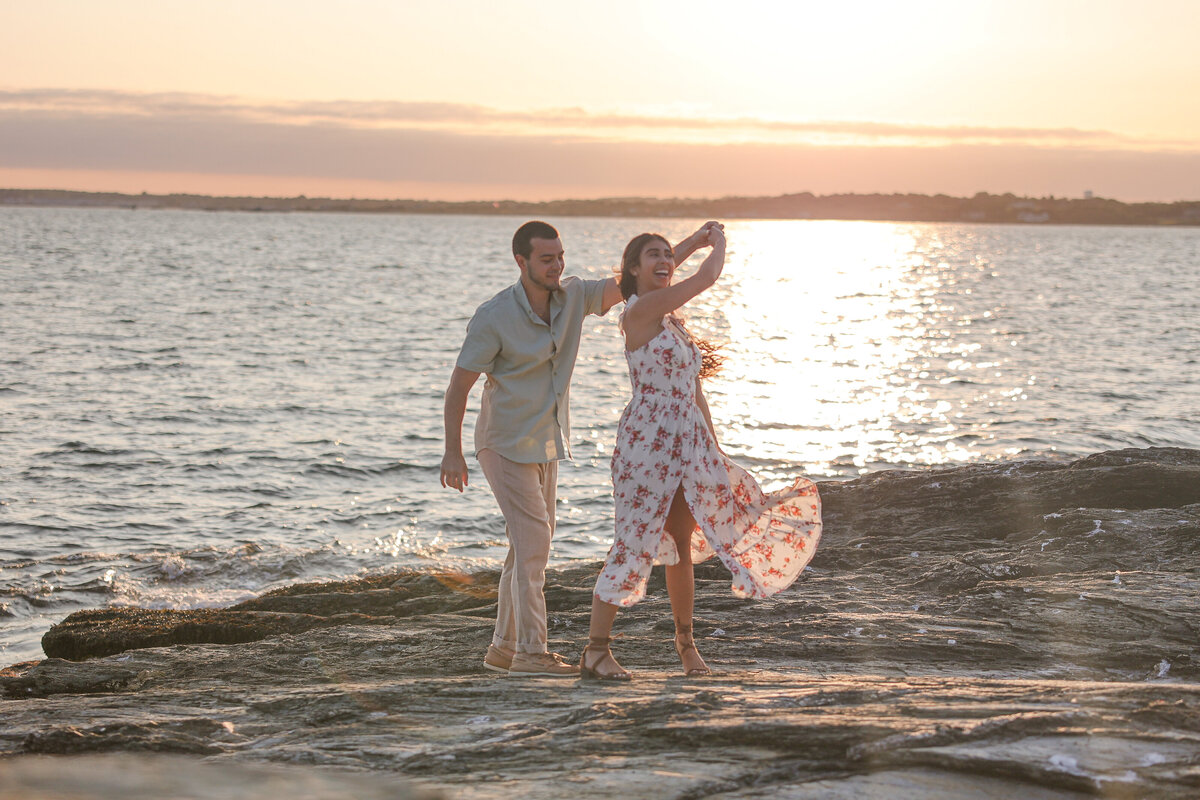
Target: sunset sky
(527,99)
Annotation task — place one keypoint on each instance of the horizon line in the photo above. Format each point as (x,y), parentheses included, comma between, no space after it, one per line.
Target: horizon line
(596,199)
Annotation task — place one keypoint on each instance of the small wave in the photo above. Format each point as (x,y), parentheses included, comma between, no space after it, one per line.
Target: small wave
(263,490)
(343,471)
(81,558)
(416,437)
(772,426)
(85,448)
(115,465)
(142,366)
(105,508)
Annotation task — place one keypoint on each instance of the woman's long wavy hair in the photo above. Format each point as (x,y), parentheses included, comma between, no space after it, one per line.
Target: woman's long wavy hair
(710,359)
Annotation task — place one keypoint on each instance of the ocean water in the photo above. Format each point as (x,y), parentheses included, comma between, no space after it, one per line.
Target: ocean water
(196,407)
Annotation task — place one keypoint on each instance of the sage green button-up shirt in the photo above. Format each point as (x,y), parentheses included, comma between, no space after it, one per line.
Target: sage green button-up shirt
(524,414)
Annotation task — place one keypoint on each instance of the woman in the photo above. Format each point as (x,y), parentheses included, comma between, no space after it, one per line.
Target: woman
(678,498)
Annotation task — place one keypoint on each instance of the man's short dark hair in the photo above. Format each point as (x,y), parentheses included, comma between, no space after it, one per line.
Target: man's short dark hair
(534,229)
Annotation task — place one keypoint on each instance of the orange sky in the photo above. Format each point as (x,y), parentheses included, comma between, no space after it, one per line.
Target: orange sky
(538,100)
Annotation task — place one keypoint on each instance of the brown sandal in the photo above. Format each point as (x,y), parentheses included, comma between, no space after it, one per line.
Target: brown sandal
(689,643)
(601,646)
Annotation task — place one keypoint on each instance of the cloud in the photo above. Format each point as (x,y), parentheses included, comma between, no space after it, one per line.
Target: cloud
(443,144)
(575,121)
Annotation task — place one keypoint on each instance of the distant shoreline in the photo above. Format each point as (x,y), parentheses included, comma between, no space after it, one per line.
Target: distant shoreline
(982,208)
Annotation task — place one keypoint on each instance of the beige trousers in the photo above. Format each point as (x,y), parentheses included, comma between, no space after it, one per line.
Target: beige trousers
(525,494)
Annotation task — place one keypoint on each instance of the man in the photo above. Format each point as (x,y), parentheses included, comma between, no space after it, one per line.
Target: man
(525,339)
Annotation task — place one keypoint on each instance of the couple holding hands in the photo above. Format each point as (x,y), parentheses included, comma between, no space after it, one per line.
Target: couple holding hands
(678,499)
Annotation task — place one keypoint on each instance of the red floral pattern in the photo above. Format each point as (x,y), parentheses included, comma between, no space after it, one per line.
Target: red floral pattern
(764,538)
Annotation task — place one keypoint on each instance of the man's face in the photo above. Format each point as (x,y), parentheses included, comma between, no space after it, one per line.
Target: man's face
(545,264)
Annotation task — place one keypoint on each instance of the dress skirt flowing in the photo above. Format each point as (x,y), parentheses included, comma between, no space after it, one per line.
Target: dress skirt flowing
(764,538)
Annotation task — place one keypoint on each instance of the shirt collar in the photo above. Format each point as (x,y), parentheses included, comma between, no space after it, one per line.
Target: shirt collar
(556,301)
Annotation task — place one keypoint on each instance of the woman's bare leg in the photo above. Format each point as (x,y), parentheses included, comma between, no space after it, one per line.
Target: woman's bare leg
(681,584)
(603,616)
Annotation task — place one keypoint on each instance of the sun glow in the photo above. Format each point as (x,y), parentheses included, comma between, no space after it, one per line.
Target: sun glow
(826,343)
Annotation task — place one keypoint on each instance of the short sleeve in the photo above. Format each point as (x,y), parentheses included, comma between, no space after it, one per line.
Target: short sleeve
(594,296)
(480,347)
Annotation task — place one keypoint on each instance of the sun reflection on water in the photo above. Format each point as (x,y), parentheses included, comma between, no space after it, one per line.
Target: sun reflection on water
(837,341)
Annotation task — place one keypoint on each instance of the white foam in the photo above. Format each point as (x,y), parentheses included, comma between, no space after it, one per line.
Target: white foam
(173,567)
(181,599)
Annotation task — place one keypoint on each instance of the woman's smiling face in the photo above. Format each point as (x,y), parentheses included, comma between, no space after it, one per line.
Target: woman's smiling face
(656,266)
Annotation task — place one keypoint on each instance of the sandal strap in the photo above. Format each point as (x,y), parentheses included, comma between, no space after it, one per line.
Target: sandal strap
(605,655)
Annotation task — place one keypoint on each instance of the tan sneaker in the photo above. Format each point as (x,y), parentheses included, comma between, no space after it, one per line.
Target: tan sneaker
(497,659)
(550,665)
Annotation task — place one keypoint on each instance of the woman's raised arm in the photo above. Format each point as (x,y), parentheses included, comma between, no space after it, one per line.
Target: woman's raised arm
(694,242)
(651,308)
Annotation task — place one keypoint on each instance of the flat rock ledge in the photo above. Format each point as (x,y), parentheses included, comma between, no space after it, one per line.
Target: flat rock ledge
(1023,629)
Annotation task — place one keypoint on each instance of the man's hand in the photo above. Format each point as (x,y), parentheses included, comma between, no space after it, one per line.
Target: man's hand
(708,231)
(454,471)
(703,237)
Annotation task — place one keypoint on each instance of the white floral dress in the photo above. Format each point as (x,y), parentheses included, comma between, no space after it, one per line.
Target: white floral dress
(764,538)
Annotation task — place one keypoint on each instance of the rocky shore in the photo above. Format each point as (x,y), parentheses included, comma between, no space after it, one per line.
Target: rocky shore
(1023,629)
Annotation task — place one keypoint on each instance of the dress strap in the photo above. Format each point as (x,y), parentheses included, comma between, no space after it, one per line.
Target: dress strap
(677,323)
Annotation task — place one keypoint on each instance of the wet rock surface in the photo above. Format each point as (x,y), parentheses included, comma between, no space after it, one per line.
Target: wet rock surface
(143,777)
(1023,629)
